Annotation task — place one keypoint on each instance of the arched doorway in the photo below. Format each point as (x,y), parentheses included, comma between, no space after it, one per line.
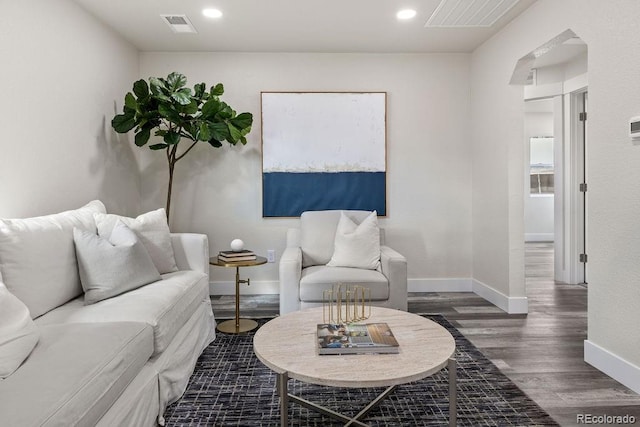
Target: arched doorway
(555,81)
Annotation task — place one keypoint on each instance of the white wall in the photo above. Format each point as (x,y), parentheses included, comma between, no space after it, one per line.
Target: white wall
(63,74)
(538,209)
(218,191)
(498,158)
(614,202)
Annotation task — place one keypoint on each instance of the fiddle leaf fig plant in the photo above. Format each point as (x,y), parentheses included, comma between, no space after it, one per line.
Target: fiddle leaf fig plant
(164,111)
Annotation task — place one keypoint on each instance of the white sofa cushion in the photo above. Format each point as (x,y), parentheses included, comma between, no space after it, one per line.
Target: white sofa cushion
(165,305)
(318,278)
(38,259)
(357,245)
(152,230)
(111,267)
(75,373)
(18,333)
(318,232)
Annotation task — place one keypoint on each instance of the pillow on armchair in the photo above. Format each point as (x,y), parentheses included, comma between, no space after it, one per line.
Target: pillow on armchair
(357,245)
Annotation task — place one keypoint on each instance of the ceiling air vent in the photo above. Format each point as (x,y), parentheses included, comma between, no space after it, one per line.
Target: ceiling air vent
(179,23)
(469,13)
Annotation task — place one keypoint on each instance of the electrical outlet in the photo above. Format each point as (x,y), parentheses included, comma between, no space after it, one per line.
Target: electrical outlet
(271,255)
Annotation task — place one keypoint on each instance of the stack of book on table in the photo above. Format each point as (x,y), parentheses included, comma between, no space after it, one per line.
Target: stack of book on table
(356,339)
(236,256)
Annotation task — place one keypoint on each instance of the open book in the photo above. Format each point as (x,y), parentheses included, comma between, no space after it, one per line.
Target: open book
(356,339)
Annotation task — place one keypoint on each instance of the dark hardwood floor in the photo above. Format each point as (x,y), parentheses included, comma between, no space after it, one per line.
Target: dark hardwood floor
(542,352)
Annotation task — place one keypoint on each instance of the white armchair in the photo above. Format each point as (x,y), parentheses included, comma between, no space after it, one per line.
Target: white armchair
(304,274)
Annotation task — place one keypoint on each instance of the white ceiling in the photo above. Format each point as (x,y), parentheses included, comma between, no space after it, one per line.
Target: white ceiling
(368,26)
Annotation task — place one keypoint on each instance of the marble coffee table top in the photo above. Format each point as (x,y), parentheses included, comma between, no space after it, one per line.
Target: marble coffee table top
(288,344)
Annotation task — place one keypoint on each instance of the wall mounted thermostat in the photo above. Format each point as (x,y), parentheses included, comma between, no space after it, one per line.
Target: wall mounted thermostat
(634,127)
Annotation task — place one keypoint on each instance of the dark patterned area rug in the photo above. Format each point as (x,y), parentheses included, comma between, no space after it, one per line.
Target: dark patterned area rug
(231,387)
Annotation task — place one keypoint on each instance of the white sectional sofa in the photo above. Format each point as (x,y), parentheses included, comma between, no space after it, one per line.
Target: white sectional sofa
(117,362)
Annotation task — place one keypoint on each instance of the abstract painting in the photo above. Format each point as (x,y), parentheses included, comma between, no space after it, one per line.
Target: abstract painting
(323,150)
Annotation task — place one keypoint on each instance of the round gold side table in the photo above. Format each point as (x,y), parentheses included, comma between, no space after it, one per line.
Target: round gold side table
(238,325)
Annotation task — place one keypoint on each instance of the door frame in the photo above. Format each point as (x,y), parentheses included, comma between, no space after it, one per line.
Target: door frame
(570,212)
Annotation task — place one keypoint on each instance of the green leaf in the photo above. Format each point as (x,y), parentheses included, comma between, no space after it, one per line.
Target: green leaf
(225,112)
(199,90)
(242,121)
(176,81)
(130,101)
(215,143)
(190,130)
(217,90)
(235,134)
(147,108)
(141,89)
(243,140)
(158,86)
(163,97)
(158,146)
(172,138)
(148,118)
(123,123)
(190,108)
(167,111)
(210,108)
(142,137)
(204,134)
(219,131)
(182,97)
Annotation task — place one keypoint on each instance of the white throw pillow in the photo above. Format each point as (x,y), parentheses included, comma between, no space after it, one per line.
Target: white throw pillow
(18,334)
(114,266)
(37,258)
(357,246)
(152,230)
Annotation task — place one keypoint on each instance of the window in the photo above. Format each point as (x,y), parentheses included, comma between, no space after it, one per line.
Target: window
(541,165)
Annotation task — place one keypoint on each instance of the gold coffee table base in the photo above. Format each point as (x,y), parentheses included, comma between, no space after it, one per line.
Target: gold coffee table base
(244,325)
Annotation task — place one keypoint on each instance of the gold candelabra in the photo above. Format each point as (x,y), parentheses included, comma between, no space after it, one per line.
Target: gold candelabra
(346,304)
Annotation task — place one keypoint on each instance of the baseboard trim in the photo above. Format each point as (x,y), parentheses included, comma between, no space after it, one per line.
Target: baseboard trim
(271,287)
(511,305)
(439,285)
(624,372)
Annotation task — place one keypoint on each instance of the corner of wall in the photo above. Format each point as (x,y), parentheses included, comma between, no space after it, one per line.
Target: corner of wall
(511,305)
(624,372)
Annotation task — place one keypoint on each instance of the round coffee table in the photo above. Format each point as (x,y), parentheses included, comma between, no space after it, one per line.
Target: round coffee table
(287,346)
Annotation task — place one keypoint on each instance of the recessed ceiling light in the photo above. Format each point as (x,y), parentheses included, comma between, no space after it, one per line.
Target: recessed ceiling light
(211,13)
(406,14)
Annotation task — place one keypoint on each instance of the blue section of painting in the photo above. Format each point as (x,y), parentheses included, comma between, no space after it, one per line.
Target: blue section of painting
(290,194)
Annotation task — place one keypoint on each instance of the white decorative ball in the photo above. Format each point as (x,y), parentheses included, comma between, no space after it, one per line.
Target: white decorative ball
(237,245)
